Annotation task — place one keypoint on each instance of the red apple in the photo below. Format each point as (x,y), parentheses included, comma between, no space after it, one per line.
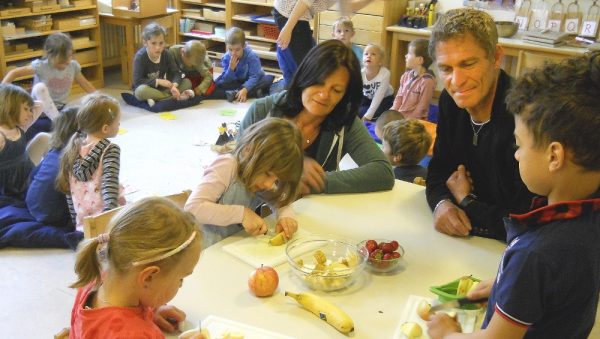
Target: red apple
(263,281)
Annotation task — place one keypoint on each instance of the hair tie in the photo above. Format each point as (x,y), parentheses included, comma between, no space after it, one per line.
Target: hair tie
(103,238)
(166,255)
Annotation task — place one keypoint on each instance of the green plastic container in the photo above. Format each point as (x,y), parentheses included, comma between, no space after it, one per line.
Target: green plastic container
(447,292)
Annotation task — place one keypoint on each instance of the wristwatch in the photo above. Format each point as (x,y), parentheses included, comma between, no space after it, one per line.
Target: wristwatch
(467,200)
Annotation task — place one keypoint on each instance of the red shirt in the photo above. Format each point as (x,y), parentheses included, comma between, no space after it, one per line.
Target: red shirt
(111,322)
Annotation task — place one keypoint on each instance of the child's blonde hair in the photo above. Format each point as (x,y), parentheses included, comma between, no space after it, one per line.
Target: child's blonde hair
(235,36)
(153,29)
(96,111)
(63,127)
(379,49)
(58,46)
(409,138)
(195,51)
(11,99)
(152,231)
(345,22)
(272,145)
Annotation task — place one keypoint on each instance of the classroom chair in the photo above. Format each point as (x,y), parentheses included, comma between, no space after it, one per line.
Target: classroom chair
(528,61)
(93,226)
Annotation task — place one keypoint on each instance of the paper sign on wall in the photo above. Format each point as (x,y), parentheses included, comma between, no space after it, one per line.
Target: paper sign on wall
(554,25)
(589,29)
(572,26)
(523,22)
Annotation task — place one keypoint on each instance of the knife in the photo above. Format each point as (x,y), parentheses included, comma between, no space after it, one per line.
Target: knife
(458,303)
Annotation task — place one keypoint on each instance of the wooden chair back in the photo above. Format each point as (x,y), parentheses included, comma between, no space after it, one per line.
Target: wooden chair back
(93,226)
(528,61)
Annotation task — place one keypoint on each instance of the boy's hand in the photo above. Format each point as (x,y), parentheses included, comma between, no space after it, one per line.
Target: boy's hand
(451,220)
(253,224)
(288,225)
(168,317)
(175,92)
(482,290)
(164,83)
(241,95)
(233,62)
(460,183)
(441,324)
(283,40)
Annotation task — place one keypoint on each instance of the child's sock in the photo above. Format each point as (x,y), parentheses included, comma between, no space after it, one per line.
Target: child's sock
(187,94)
(40,92)
(151,102)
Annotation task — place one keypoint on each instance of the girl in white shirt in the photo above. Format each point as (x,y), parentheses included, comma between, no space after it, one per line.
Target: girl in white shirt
(265,166)
(378,94)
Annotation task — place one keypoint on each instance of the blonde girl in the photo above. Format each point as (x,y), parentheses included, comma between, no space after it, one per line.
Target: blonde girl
(378,94)
(126,276)
(89,167)
(265,166)
(53,79)
(17,114)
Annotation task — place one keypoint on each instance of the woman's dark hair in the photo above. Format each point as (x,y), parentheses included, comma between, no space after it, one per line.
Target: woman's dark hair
(320,62)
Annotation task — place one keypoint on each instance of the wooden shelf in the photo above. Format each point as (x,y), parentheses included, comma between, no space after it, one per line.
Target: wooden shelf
(198,17)
(202,36)
(256,3)
(33,34)
(269,55)
(62,10)
(35,54)
(260,38)
(206,4)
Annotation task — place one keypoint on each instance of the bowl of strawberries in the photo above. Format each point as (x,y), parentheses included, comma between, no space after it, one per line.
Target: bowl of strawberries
(384,255)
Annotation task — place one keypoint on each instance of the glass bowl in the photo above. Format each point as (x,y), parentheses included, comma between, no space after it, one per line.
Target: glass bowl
(383,265)
(326,262)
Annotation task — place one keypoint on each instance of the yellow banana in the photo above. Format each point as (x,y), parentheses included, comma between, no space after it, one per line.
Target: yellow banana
(464,284)
(277,240)
(325,310)
(205,334)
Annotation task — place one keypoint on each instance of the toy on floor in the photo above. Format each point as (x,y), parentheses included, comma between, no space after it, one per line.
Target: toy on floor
(226,141)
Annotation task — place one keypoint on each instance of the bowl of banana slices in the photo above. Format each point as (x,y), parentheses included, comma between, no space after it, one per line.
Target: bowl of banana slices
(326,262)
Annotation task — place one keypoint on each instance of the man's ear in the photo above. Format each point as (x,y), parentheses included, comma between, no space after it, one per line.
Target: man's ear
(498,56)
(147,276)
(556,156)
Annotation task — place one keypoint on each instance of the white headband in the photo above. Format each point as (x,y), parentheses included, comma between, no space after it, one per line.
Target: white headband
(166,255)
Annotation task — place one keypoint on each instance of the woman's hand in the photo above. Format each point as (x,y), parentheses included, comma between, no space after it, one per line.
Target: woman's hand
(168,317)
(313,177)
(283,40)
(253,224)
(288,225)
(441,324)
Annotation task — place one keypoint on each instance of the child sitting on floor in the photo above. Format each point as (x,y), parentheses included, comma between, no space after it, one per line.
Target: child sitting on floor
(155,73)
(90,165)
(265,166)
(406,142)
(378,94)
(53,79)
(343,30)
(127,275)
(548,281)
(194,63)
(243,76)
(417,83)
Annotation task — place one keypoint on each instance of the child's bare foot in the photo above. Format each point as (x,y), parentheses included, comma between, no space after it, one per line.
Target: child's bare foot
(187,94)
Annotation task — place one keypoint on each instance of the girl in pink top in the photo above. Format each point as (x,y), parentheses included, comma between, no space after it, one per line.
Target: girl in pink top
(89,168)
(266,166)
(126,276)
(416,84)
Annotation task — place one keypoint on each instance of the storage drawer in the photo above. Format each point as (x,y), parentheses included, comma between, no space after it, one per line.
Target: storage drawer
(13,11)
(86,57)
(360,21)
(361,37)
(65,23)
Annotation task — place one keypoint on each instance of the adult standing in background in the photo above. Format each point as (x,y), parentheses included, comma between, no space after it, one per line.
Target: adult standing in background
(322,100)
(295,36)
(473,180)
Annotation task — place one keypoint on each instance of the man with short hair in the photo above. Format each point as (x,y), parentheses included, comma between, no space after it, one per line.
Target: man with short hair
(473,180)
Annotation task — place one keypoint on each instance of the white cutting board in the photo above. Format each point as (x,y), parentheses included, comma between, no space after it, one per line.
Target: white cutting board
(256,251)
(216,326)
(467,319)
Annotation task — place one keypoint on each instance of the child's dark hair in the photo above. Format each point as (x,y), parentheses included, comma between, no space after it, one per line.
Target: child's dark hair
(140,232)
(272,145)
(96,111)
(11,99)
(409,138)
(153,29)
(235,36)
(388,116)
(421,48)
(58,46)
(320,62)
(559,102)
(63,127)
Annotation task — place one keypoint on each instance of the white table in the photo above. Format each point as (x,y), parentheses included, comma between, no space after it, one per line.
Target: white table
(218,285)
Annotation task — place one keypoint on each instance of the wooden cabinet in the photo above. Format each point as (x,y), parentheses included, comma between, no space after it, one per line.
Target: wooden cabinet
(369,24)
(209,19)
(24,30)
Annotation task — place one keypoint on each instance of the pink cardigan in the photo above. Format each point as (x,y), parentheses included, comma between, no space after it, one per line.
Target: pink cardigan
(414,95)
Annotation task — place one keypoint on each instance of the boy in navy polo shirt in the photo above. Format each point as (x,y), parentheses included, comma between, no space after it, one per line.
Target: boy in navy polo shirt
(549,277)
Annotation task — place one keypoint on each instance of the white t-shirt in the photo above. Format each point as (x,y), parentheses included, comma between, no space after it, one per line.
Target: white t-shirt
(285,7)
(376,89)
(58,82)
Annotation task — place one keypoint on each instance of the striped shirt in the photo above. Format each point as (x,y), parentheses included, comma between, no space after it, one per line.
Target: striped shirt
(84,168)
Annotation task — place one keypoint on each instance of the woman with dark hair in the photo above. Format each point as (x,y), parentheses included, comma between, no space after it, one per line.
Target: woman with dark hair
(322,100)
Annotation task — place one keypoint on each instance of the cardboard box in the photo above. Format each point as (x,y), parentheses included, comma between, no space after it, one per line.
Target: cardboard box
(80,41)
(65,23)
(204,27)
(86,57)
(8,29)
(81,3)
(42,6)
(144,9)
(14,11)
(87,20)
(214,15)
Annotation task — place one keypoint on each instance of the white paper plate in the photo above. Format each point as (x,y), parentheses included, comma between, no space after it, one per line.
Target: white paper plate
(256,251)
(216,326)
(467,319)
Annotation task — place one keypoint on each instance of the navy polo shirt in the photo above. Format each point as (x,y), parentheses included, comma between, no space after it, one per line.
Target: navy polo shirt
(549,276)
